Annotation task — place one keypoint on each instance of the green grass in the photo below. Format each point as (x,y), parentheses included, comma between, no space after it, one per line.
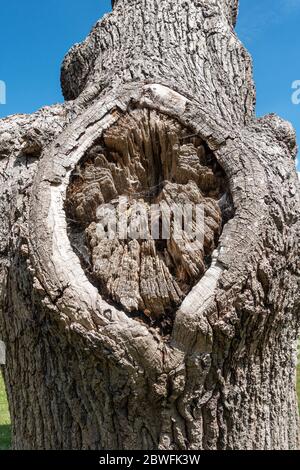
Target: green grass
(4,418)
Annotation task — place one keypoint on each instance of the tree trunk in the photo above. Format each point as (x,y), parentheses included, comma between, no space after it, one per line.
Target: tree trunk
(147,344)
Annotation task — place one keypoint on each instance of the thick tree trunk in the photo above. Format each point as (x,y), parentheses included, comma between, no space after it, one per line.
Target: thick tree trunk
(131,344)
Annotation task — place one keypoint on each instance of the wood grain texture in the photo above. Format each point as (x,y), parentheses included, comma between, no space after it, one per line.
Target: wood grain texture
(160,171)
(82,371)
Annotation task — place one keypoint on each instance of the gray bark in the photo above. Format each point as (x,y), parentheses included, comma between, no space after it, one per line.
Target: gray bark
(182,352)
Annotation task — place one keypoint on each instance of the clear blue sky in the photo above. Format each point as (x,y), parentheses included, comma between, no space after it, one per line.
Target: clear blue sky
(35,36)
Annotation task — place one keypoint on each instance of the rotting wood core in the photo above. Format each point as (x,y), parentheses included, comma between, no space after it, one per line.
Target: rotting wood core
(147,158)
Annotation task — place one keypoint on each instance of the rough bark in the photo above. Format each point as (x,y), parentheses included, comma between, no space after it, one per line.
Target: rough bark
(207,360)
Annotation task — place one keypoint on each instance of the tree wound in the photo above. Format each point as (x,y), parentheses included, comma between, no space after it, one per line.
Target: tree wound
(147,159)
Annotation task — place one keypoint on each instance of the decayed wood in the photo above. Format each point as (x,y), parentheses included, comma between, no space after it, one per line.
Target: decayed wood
(84,371)
(147,159)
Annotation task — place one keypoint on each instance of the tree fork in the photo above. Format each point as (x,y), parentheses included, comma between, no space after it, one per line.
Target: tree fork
(86,367)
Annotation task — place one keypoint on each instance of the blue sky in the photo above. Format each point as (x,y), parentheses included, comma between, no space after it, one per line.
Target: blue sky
(35,36)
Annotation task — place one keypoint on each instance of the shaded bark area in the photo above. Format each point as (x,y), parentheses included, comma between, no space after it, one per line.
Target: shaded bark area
(84,371)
